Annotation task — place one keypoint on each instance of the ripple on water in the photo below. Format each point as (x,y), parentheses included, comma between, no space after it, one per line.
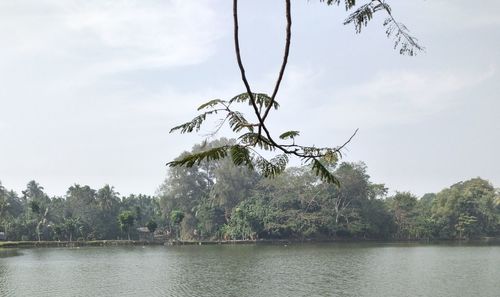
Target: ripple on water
(297,270)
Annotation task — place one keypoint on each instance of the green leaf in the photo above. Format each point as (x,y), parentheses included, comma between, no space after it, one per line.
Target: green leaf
(324,174)
(348,3)
(254,139)
(196,158)
(272,167)
(211,103)
(402,38)
(289,134)
(261,99)
(360,17)
(241,156)
(237,121)
(194,124)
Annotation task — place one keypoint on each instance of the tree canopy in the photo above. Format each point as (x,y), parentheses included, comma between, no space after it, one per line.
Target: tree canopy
(219,200)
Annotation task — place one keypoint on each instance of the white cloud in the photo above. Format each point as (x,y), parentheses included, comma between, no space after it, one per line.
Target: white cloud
(112,35)
(397,97)
(466,14)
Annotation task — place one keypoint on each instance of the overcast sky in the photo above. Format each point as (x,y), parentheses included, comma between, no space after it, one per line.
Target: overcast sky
(90,89)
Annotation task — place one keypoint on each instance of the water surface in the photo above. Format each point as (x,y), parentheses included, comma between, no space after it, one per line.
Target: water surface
(253,270)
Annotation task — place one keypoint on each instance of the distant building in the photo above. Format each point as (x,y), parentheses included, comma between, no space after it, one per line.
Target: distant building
(2,236)
(144,234)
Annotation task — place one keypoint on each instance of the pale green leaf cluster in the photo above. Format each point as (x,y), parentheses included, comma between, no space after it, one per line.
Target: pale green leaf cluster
(408,45)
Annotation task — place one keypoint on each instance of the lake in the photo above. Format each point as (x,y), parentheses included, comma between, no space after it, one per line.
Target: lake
(253,270)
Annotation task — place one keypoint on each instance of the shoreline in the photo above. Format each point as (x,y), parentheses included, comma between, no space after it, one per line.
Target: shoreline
(103,243)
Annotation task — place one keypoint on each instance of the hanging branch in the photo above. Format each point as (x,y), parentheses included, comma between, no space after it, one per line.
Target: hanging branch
(245,151)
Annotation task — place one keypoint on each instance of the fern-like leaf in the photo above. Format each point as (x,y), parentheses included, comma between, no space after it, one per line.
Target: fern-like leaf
(261,99)
(401,36)
(196,158)
(237,121)
(211,103)
(408,45)
(241,156)
(323,173)
(194,124)
(273,167)
(252,138)
(348,3)
(289,135)
(360,17)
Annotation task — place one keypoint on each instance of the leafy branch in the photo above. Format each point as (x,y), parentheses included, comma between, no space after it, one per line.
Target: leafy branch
(255,136)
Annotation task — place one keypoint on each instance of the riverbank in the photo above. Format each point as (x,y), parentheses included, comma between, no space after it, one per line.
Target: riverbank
(31,244)
(98,243)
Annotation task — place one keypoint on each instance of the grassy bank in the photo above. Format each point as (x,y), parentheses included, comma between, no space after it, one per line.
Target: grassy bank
(29,244)
(33,244)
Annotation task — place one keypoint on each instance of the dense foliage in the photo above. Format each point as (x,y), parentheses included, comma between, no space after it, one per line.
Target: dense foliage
(218,200)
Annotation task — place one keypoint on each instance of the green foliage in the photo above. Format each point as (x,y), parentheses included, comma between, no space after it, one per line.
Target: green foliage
(261,99)
(219,200)
(152,225)
(255,135)
(126,219)
(323,173)
(213,154)
(466,210)
(289,135)
(176,217)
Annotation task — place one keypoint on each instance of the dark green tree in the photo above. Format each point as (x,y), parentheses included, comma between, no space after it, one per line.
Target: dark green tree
(126,220)
(152,226)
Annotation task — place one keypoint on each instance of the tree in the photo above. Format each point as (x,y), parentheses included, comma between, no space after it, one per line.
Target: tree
(466,209)
(126,220)
(152,225)
(71,225)
(254,136)
(176,217)
(4,204)
(403,206)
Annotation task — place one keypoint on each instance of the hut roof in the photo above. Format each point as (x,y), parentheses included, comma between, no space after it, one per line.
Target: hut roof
(143,229)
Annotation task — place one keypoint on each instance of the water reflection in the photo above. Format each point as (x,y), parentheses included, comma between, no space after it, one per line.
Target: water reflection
(250,270)
(4,253)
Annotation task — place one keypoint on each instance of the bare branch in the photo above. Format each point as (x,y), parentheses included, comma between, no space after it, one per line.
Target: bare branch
(240,63)
(285,57)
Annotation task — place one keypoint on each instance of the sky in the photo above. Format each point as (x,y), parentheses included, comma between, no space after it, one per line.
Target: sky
(90,89)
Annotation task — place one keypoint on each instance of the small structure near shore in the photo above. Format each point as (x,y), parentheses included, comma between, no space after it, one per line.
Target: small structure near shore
(144,234)
(2,236)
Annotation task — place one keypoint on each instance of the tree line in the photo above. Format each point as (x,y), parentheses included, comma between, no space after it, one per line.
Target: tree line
(218,200)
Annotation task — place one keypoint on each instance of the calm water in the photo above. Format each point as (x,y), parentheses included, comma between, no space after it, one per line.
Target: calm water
(295,270)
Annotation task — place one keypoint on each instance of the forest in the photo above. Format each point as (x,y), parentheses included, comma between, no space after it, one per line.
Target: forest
(220,201)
